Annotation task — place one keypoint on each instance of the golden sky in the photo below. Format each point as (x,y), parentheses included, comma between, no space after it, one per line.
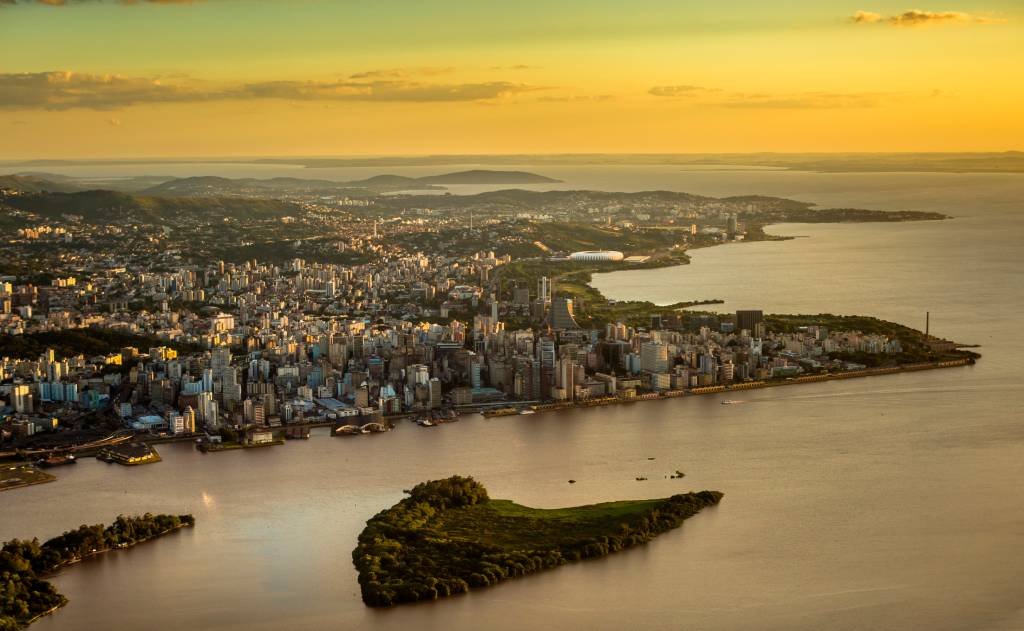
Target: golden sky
(95,78)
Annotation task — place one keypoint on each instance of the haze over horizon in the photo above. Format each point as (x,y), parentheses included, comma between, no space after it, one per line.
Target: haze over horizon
(255,78)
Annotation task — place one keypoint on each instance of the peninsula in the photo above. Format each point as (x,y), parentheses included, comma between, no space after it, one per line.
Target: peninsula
(448,537)
(25,564)
(229,307)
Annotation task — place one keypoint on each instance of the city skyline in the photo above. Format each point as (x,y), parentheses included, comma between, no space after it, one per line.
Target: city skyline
(113,79)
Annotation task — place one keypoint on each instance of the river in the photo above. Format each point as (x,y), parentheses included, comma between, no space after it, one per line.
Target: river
(884,503)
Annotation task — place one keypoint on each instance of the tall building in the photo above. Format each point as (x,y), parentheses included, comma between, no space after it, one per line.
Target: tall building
(748,320)
(546,352)
(544,289)
(21,397)
(566,376)
(189,420)
(653,357)
(435,392)
(562,314)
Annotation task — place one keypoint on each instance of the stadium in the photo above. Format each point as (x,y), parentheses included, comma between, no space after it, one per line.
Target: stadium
(596,255)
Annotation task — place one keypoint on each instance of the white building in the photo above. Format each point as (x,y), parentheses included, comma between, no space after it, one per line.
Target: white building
(597,255)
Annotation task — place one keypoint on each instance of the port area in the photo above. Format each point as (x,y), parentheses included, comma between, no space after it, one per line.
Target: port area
(207,446)
(16,476)
(129,454)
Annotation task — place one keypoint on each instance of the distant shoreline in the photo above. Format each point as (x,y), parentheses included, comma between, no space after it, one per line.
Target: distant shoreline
(893,162)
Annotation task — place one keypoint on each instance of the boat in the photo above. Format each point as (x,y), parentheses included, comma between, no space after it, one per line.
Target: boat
(527,411)
(55,461)
(425,423)
(730,402)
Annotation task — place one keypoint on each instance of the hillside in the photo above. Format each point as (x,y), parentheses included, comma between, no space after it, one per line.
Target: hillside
(215,186)
(103,207)
(35,184)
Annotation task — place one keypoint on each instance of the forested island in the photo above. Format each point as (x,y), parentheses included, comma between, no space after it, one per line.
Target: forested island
(448,536)
(25,595)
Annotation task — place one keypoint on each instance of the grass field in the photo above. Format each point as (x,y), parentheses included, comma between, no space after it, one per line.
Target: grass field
(508,525)
(15,476)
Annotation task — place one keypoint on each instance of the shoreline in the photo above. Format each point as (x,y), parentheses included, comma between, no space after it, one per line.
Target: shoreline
(22,485)
(92,555)
(43,478)
(752,385)
(60,568)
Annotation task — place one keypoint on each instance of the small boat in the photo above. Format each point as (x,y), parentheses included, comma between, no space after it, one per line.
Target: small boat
(425,423)
(55,461)
(731,402)
(527,411)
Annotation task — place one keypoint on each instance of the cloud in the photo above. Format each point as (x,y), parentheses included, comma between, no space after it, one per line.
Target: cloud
(866,17)
(917,17)
(515,67)
(679,91)
(715,97)
(67,90)
(596,98)
(393,91)
(67,3)
(802,100)
(70,90)
(401,73)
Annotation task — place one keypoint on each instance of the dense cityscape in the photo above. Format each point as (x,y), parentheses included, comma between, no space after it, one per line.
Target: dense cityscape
(132,337)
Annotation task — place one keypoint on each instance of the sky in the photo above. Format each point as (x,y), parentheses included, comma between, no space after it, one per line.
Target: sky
(217,78)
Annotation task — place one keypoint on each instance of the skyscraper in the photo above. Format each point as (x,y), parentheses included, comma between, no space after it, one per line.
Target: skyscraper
(562,314)
(544,289)
(748,320)
(653,357)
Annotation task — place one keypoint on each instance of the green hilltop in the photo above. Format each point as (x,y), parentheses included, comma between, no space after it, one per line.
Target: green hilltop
(448,537)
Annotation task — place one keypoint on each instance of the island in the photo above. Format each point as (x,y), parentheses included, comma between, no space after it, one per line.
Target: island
(448,537)
(25,564)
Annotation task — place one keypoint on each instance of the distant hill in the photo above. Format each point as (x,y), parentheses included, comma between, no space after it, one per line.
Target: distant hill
(112,207)
(480,176)
(253,187)
(36,184)
(211,185)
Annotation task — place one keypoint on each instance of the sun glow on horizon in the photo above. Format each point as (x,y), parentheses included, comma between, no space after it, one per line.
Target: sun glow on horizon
(250,77)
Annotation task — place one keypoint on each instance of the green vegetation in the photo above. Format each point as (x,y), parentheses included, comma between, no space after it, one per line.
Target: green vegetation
(71,342)
(103,207)
(25,596)
(915,345)
(448,536)
(592,308)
